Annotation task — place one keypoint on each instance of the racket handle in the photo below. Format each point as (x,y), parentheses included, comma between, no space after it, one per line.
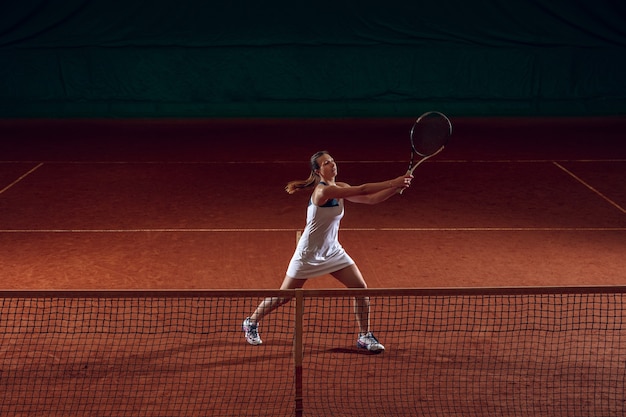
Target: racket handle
(408,172)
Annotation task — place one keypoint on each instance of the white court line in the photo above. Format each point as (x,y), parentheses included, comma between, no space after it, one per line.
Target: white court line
(346,229)
(613,203)
(21,178)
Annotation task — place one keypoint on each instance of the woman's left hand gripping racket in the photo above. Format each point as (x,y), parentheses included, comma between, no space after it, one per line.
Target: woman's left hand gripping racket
(429,135)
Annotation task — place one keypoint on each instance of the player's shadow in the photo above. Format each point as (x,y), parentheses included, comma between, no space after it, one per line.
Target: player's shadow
(354,351)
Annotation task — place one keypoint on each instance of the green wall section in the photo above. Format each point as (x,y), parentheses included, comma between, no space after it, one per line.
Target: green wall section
(138,58)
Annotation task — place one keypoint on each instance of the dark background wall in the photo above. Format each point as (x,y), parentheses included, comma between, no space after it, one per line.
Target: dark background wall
(141,58)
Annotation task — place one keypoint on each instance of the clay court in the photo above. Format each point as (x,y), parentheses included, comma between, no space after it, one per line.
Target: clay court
(196,205)
(182,215)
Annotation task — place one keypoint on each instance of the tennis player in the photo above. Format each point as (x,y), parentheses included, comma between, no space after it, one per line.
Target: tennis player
(319,252)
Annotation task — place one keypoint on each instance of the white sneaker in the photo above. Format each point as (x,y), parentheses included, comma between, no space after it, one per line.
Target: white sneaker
(369,342)
(251,332)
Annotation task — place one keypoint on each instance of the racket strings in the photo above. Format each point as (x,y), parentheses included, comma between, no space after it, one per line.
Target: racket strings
(429,136)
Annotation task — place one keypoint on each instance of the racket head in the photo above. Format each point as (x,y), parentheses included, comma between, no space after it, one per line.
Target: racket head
(430,133)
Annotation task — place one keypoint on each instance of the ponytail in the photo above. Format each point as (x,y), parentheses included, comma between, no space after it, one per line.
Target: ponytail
(294,186)
(313,179)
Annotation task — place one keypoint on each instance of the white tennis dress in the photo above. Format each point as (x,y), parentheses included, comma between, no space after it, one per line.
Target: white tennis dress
(319,251)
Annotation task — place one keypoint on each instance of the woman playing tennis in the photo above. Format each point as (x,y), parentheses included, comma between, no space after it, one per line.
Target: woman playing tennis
(319,252)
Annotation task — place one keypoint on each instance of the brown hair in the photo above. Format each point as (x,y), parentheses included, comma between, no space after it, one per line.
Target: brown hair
(313,179)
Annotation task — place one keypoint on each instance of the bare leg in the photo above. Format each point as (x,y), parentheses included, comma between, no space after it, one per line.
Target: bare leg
(351,277)
(272,303)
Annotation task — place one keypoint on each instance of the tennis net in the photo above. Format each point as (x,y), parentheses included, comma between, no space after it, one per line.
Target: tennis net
(449,352)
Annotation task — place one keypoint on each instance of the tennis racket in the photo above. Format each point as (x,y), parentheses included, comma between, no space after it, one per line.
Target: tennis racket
(429,135)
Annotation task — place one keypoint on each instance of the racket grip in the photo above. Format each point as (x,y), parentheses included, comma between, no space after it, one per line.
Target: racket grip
(408,172)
